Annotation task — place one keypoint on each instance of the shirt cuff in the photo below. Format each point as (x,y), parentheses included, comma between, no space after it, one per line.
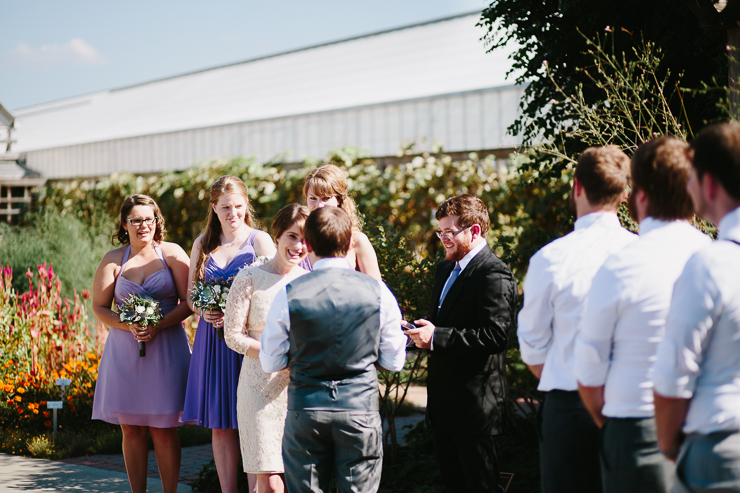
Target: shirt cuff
(532,355)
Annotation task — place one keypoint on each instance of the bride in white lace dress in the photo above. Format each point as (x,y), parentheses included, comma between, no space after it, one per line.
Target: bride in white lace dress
(262,398)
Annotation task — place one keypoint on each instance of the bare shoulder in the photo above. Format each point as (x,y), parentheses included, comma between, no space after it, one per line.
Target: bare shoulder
(360,240)
(173,251)
(114,257)
(263,244)
(196,245)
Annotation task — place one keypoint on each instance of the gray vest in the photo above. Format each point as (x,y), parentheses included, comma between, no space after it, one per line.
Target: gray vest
(334,340)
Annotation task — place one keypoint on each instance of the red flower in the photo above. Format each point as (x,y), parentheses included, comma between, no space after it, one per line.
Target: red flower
(86,294)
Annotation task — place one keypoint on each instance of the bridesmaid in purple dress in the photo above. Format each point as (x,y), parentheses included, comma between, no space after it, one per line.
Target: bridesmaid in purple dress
(326,186)
(144,394)
(228,243)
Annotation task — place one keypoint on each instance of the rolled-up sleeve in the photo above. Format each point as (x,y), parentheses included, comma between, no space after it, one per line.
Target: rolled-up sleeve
(695,307)
(536,316)
(274,339)
(596,328)
(392,350)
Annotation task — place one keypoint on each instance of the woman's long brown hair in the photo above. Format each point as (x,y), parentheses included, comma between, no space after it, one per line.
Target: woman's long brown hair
(210,240)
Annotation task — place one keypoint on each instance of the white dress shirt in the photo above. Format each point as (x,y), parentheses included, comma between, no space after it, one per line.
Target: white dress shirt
(624,315)
(558,278)
(275,341)
(699,357)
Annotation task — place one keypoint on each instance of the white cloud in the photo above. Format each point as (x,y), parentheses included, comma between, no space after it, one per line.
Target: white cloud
(74,52)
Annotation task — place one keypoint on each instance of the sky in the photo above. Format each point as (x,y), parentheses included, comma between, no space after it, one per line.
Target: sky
(54,49)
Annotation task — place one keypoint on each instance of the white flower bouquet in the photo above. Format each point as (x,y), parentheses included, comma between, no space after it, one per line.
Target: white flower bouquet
(141,310)
(211,295)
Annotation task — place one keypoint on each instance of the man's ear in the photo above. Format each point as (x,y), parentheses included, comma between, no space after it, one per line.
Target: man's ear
(712,185)
(308,248)
(577,187)
(475,229)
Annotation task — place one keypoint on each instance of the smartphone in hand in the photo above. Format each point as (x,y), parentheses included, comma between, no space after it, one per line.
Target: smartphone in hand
(407,325)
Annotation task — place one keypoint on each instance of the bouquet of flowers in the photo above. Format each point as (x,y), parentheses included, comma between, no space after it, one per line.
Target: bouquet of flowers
(142,310)
(211,295)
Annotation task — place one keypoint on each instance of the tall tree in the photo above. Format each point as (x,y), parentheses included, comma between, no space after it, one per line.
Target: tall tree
(551,33)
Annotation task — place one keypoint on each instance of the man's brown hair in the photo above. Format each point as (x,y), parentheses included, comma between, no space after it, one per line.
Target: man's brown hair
(328,231)
(716,150)
(604,173)
(660,168)
(469,209)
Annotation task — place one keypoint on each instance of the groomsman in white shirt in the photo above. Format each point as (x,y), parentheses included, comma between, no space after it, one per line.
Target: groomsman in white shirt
(558,278)
(697,372)
(624,320)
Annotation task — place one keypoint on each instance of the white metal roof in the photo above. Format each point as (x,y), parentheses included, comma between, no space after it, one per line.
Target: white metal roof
(439,57)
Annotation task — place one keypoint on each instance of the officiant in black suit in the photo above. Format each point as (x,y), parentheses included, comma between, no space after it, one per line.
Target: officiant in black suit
(470,322)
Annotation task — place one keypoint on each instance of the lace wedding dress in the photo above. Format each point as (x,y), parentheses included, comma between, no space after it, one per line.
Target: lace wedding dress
(262,398)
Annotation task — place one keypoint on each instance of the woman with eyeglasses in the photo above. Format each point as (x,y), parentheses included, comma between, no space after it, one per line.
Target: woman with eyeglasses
(143,394)
(228,243)
(327,186)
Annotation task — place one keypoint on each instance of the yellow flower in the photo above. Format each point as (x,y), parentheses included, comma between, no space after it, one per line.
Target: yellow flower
(91,356)
(18,398)
(21,390)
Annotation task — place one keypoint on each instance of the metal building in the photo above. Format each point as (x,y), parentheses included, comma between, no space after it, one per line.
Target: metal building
(432,82)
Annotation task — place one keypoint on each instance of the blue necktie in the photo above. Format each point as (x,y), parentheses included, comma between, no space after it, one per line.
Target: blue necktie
(450,281)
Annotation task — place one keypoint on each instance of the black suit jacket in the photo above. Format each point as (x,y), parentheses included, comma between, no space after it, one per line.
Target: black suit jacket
(466,383)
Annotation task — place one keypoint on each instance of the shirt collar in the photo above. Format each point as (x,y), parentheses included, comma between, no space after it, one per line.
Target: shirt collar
(469,256)
(605,218)
(330,263)
(729,226)
(650,223)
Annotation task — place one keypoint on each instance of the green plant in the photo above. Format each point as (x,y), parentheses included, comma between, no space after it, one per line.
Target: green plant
(41,447)
(71,245)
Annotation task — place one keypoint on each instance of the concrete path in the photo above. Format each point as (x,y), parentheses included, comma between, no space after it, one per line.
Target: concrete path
(39,475)
(107,473)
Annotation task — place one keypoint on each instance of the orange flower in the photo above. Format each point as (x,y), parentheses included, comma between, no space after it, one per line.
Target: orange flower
(47,423)
(21,390)
(91,356)
(35,411)
(8,388)
(18,398)
(46,414)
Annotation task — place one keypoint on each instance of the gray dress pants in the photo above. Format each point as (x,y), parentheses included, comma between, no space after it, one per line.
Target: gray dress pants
(631,461)
(709,463)
(569,445)
(350,443)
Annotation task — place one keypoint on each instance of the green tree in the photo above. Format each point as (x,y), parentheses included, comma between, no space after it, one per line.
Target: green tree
(551,49)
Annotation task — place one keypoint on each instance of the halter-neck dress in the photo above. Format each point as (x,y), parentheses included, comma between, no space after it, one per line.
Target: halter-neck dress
(149,390)
(210,400)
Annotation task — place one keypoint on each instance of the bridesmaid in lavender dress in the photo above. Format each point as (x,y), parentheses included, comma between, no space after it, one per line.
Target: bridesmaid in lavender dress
(144,394)
(228,243)
(326,186)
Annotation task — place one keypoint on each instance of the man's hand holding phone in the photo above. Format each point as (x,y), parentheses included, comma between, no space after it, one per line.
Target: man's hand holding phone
(420,332)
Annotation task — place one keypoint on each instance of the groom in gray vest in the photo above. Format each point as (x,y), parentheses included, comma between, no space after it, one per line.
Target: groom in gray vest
(333,327)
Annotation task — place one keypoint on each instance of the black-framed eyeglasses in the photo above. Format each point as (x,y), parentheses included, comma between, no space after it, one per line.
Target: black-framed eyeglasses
(448,235)
(138,222)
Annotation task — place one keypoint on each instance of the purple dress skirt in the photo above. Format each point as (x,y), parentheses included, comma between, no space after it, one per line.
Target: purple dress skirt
(149,390)
(210,400)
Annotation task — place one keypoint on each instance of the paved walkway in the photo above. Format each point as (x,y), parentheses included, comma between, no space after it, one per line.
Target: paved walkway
(107,473)
(45,476)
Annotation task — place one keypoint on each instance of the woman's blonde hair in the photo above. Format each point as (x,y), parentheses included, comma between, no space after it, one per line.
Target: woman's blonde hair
(211,237)
(329,181)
